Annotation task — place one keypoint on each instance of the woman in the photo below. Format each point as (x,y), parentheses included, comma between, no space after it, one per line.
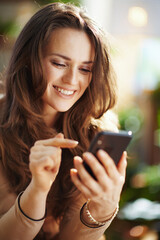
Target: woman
(59,82)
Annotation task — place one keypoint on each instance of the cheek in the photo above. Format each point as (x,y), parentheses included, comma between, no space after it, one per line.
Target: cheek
(85,84)
(88,81)
(46,72)
(51,74)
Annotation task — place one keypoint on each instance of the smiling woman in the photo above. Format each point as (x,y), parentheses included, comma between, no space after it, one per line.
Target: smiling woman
(67,72)
(58,85)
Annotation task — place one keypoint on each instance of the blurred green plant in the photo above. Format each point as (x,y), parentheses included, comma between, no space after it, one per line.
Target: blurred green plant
(152,175)
(142,181)
(8,28)
(131,119)
(156,100)
(156,94)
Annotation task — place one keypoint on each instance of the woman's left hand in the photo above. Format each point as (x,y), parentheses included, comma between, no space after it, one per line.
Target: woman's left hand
(104,192)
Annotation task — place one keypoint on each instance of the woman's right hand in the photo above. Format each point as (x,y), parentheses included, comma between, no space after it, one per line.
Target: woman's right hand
(45,159)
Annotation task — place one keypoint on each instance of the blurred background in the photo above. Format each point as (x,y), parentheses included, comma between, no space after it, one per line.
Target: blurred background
(134,35)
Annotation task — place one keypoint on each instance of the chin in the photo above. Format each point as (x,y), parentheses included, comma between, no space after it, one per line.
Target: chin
(63,109)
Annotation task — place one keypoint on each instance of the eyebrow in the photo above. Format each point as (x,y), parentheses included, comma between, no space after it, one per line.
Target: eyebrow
(69,59)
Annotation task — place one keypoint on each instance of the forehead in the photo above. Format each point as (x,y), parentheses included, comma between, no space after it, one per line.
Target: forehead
(70,42)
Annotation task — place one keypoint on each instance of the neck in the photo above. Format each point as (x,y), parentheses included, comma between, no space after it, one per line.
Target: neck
(50,119)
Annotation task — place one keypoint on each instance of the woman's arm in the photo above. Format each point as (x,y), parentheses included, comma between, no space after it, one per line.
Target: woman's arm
(72,228)
(104,195)
(45,158)
(15,226)
(12,223)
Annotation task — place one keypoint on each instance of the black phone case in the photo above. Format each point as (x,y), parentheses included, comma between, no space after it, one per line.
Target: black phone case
(114,143)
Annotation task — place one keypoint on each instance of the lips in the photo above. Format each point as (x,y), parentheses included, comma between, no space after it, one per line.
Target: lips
(64,91)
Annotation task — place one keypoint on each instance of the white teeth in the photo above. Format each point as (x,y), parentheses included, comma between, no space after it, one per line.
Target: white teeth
(65,92)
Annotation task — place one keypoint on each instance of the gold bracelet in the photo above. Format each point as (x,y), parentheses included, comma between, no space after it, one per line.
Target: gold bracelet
(95,223)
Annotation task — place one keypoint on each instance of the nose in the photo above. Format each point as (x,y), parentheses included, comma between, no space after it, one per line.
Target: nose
(70,76)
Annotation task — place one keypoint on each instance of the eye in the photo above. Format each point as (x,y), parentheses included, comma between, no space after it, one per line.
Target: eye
(85,70)
(58,64)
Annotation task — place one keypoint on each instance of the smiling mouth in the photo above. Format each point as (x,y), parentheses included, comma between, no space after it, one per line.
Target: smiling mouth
(64,91)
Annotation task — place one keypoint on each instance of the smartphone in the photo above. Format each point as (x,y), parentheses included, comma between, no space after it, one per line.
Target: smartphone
(114,143)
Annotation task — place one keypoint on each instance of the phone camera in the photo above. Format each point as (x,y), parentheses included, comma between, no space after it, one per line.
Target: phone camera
(99,142)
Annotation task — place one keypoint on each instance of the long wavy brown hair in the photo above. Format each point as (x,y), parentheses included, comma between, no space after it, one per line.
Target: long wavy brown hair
(21,122)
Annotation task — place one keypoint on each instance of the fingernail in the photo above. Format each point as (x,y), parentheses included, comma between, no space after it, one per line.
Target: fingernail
(73,141)
(73,170)
(125,153)
(79,159)
(102,152)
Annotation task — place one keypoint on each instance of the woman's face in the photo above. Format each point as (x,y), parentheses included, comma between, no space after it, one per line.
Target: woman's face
(67,62)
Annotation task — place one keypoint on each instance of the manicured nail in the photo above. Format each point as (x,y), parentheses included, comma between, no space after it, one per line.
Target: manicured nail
(102,152)
(73,141)
(73,170)
(79,159)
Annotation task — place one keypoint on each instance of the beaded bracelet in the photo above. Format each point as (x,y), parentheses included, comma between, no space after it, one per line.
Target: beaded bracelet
(95,223)
(19,206)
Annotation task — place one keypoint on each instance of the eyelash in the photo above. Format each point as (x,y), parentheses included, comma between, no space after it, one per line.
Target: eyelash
(84,70)
(58,64)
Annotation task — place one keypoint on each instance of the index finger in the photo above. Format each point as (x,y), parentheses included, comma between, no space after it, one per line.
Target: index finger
(59,142)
